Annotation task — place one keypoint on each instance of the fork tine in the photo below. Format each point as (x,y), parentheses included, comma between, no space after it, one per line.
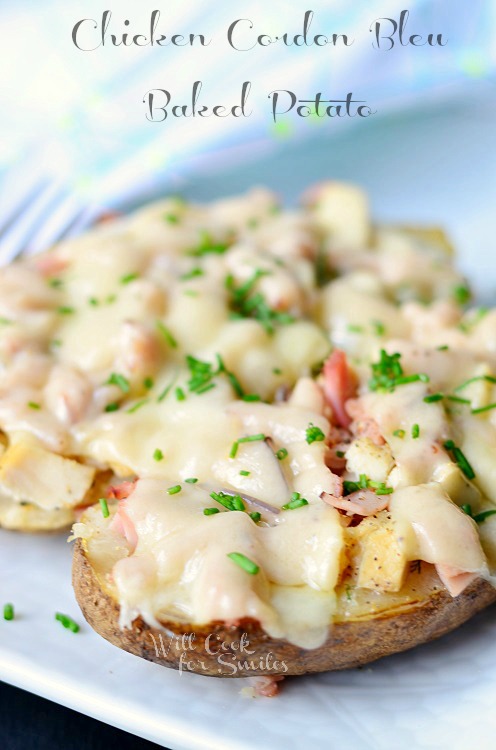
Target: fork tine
(15,198)
(14,240)
(56,226)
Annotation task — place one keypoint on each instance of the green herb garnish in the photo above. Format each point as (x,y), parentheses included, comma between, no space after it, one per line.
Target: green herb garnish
(128,277)
(244,562)
(174,490)
(246,304)
(247,439)
(136,406)
(388,373)
(104,507)
(415,431)
(208,245)
(67,622)
(433,397)
(120,381)
(459,458)
(158,455)
(112,407)
(281,454)
(191,480)
(167,335)
(210,511)
(314,434)
(8,612)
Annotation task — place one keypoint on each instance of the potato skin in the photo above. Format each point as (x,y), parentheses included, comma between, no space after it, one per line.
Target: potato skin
(349,644)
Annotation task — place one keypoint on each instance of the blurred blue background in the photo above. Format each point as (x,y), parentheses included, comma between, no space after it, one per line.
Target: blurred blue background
(427,155)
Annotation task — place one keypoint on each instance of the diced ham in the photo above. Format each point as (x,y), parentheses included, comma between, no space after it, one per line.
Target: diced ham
(50,264)
(454,579)
(267,685)
(340,384)
(121,491)
(361,423)
(360,503)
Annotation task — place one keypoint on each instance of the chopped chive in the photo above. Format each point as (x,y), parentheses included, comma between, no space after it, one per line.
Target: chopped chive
(379,328)
(205,388)
(443,348)
(234,449)
(482,409)
(171,218)
(460,459)
(467,508)
(487,378)
(65,310)
(252,438)
(210,511)
(164,393)
(415,430)
(458,399)
(208,245)
(461,294)
(104,507)
(192,274)
(67,622)
(399,433)
(128,277)
(120,381)
(433,397)
(244,562)
(363,481)
(148,383)
(349,487)
(137,406)
(276,371)
(314,434)
(297,502)
(34,405)
(5,321)
(354,328)
(174,490)
(180,395)
(55,283)
(237,503)
(481,517)
(111,299)
(112,407)
(166,334)
(422,376)
(224,500)
(8,612)
(382,490)
(255,516)
(158,455)
(281,454)
(244,473)
(251,397)
(93,302)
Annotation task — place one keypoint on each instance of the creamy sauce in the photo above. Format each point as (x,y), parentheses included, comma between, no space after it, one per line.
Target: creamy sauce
(183,343)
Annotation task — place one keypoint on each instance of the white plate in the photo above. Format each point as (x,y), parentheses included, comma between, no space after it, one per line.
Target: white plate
(438,696)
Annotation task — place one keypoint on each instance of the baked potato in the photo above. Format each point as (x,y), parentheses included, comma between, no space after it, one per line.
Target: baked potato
(355,637)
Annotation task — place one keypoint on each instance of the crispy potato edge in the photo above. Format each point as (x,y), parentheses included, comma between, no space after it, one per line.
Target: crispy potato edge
(349,644)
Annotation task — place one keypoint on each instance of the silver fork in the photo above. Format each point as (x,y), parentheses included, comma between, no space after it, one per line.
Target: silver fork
(36,212)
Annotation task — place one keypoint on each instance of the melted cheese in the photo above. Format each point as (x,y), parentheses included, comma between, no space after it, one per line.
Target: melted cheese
(101,344)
